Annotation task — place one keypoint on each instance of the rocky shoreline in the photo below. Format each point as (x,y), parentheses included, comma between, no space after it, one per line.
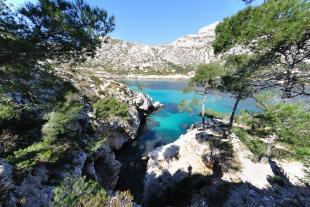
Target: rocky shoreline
(155,77)
(34,187)
(204,169)
(201,167)
(107,75)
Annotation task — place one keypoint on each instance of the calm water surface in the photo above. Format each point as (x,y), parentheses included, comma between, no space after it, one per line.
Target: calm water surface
(166,125)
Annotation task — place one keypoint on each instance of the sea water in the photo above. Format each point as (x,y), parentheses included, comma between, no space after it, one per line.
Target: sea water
(167,124)
(170,122)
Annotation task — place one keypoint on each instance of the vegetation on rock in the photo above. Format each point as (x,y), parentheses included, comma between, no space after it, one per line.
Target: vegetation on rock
(60,133)
(80,192)
(63,123)
(77,191)
(108,107)
(8,112)
(288,124)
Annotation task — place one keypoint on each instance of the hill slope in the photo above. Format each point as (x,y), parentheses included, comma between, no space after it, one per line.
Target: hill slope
(179,56)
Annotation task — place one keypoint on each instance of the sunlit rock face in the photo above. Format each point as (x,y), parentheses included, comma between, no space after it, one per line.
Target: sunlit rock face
(184,53)
(205,169)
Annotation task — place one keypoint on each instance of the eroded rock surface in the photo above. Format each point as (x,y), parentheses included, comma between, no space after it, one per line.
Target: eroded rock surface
(34,187)
(204,169)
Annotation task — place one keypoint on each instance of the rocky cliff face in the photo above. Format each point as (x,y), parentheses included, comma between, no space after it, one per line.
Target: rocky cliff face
(204,169)
(184,53)
(33,186)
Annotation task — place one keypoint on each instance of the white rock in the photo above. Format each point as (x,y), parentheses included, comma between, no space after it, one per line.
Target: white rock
(186,51)
(173,162)
(158,105)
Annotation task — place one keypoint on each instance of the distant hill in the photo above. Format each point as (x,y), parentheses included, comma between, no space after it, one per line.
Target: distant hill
(180,56)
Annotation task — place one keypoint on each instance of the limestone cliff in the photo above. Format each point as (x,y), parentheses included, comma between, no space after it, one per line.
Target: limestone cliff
(88,139)
(203,169)
(183,54)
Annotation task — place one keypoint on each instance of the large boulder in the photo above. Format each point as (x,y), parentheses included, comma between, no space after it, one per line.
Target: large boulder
(191,154)
(6,182)
(103,167)
(204,169)
(143,102)
(32,191)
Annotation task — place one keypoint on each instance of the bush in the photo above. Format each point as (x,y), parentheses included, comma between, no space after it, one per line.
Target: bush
(77,191)
(8,142)
(290,122)
(257,147)
(41,152)
(94,145)
(96,80)
(8,112)
(92,201)
(65,121)
(110,107)
(60,132)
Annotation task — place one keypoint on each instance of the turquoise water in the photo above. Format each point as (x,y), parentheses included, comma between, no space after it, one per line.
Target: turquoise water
(169,123)
(165,126)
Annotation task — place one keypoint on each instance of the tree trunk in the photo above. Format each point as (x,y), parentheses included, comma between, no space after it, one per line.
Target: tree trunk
(287,91)
(232,116)
(203,110)
(271,141)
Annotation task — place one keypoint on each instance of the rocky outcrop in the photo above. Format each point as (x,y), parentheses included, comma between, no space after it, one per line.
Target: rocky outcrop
(195,153)
(206,170)
(32,191)
(103,167)
(118,130)
(34,187)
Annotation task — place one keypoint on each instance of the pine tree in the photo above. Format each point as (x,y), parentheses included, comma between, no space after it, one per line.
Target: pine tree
(277,32)
(206,78)
(53,29)
(237,81)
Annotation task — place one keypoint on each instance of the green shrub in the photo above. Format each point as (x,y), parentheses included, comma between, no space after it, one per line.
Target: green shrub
(41,152)
(110,107)
(302,153)
(92,201)
(8,142)
(291,122)
(244,118)
(77,191)
(96,80)
(257,147)
(94,145)
(59,132)
(215,114)
(8,112)
(64,122)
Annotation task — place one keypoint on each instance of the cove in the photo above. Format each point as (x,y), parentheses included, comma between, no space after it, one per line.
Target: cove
(166,125)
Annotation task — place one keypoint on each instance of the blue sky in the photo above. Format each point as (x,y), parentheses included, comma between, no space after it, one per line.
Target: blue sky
(162,21)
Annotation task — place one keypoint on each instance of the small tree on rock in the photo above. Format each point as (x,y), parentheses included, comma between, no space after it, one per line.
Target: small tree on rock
(206,78)
(237,81)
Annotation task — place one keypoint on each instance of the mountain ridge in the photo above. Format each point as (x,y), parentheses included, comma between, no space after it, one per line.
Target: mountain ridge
(179,56)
